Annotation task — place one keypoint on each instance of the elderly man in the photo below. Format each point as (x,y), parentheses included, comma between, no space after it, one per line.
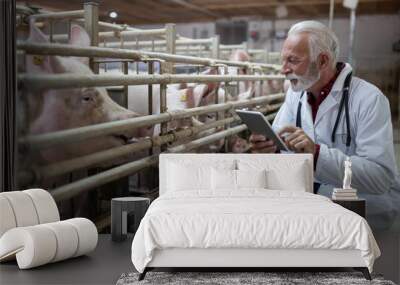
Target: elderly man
(333,114)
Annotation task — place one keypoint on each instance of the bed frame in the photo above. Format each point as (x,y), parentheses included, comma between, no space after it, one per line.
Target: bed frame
(233,259)
(248,259)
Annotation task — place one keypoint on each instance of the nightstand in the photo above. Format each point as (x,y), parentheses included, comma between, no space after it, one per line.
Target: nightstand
(357,206)
(126,214)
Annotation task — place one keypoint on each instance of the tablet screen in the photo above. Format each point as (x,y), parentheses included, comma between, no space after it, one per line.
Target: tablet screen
(257,123)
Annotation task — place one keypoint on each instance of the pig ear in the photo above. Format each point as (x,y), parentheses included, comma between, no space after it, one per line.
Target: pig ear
(194,95)
(80,38)
(202,93)
(35,35)
(41,63)
(190,100)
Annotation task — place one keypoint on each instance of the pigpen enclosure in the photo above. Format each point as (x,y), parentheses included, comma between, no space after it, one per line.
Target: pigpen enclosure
(89,134)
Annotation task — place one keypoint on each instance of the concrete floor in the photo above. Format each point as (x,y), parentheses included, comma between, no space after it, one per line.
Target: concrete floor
(110,260)
(102,266)
(389,243)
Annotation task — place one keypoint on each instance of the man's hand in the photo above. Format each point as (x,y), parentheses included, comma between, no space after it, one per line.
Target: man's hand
(297,140)
(260,144)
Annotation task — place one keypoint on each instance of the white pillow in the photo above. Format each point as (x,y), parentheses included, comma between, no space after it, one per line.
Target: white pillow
(226,179)
(251,179)
(223,179)
(182,177)
(294,178)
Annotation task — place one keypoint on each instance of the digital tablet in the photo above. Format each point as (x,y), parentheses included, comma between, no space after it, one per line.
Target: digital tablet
(257,123)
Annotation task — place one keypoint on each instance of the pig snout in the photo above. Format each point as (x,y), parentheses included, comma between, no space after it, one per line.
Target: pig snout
(131,135)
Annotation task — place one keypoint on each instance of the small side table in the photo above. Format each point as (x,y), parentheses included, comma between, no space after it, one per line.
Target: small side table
(126,214)
(357,206)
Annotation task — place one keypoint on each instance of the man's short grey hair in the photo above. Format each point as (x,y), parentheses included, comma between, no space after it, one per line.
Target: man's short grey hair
(321,39)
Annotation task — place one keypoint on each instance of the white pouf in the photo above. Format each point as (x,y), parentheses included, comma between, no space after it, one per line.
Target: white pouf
(31,231)
(7,220)
(26,208)
(23,208)
(45,205)
(40,244)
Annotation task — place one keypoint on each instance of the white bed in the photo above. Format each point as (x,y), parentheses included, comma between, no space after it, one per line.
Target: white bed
(201,219)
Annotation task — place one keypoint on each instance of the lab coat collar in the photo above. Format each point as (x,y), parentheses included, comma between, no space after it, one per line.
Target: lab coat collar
(338,85)
(334,97)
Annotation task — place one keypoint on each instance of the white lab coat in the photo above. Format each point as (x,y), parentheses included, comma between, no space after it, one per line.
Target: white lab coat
(375,173)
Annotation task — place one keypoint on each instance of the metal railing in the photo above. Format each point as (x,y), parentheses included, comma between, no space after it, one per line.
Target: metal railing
(166,37)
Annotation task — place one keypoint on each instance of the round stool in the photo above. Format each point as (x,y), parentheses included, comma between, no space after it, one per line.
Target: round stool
(126,214)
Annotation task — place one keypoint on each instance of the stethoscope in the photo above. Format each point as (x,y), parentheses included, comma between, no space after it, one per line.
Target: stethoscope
(344,101)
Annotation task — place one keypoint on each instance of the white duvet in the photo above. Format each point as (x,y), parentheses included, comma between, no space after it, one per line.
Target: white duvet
(257,218)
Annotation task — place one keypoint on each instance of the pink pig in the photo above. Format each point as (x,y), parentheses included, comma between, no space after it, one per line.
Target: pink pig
(55,110)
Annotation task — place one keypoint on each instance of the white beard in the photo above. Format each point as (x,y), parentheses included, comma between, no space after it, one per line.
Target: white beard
(304,82)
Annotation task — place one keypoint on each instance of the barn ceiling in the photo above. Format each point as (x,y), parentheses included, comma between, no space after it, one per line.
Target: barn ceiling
(138,12)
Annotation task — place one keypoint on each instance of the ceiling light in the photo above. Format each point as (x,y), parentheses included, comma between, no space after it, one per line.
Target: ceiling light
(281,11)
(350,4)
(113,14)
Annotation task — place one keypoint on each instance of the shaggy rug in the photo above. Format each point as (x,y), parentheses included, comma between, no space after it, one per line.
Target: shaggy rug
(243,278)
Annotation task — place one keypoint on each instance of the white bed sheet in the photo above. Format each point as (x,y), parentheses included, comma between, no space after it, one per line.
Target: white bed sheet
(252,218)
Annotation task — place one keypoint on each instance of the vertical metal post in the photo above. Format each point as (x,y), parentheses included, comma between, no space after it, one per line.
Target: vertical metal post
(245,46)
(273,33)
(165,67)
(124,101)
(91,15)
(51,30)
(150,70)
(69,30)
(215,47)
(351,39)
(226,145)
(238,82)
(92,28)
(265,56)
(331,10)
(251,71)
(170,38)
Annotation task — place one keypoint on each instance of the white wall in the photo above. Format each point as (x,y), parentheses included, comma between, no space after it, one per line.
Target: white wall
(373,58)
(374,36)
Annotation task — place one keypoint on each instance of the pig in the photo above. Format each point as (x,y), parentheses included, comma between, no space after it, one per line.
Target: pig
(179,97)
(55,110)
(249,89)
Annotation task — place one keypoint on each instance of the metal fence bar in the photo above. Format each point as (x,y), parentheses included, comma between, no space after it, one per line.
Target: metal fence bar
(74,164)
(231,47)
(65,80)
(68,50)
(163,43)
(120,34)
(86,184)
(143,33)
(83,133)
(211,138)
(59,15)
(75,188)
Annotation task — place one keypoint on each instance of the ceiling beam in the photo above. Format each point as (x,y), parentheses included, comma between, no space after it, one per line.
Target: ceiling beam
(257,4)
(197,8)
